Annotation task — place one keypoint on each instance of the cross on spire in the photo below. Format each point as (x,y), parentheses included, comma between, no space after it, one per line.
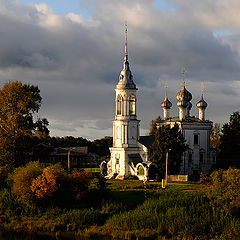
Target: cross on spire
(183,77)
(202,88)
(166,87)
(126,52)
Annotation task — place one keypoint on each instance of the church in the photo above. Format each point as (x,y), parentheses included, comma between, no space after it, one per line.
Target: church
(130,151)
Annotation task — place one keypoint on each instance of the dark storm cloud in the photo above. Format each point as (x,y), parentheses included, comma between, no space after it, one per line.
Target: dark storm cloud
(76,61)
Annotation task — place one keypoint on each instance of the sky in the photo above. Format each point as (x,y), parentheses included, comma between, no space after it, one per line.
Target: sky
(73,50)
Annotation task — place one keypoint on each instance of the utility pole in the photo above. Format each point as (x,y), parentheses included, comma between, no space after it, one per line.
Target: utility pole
(69,160)
(166,166)
(69,163)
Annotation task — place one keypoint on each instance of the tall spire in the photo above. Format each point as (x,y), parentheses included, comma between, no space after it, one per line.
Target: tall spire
(126,78)
(126,52)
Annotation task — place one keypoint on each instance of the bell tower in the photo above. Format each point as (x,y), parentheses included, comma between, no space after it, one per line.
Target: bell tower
(125,123)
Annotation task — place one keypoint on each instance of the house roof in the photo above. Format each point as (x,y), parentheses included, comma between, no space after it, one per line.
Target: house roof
(147,141)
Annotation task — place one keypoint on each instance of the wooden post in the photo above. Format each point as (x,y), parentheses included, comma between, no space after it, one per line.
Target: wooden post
(166,168)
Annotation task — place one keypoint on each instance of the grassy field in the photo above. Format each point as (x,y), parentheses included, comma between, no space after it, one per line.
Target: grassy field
(93,170)
(137,211)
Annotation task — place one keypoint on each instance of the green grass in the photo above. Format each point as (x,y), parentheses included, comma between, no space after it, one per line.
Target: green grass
(94,170)
(174,214)
(129,199)
(116,185)
(181,211)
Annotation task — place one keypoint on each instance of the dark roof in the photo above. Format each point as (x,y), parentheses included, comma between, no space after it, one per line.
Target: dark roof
(135,158)
(147,141)
(187,119)
(77,149)
(73,150)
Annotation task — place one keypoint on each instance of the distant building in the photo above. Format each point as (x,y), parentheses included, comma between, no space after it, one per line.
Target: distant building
(130,152)
(79,156)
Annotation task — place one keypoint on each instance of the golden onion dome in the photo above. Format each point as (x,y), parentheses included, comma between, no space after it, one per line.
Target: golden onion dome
(202,103)
(182,103)
(166,103)
(184,94)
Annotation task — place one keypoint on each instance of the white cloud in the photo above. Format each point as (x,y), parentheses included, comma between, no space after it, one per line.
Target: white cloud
(75,18)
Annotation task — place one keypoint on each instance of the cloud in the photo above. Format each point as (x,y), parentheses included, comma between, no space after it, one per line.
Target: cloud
(76,59)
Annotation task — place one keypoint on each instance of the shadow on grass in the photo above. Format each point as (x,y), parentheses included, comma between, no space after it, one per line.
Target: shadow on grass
(130,199)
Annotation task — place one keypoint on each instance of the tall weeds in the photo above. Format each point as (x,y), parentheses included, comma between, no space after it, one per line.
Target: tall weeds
(181,214)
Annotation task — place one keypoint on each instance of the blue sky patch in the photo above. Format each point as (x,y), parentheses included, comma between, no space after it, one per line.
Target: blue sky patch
(222,32)
(164,5)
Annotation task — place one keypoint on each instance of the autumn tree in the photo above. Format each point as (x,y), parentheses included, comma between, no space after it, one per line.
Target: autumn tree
(215,136)
(18,104)
(22,178)
(153,125)
(47,184)
(167,138)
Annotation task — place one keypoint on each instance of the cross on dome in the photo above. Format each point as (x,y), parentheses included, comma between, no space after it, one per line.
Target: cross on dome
(183,77)
(202,88)
(166,87)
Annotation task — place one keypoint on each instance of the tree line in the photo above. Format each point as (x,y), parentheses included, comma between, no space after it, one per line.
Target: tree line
(21,130)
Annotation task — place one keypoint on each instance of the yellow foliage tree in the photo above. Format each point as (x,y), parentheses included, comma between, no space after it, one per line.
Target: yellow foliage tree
(153,125)
(47,183)
(22,179)
(18,103)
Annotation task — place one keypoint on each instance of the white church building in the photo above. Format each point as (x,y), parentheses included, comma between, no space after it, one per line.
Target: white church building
(200,156)
(130,151)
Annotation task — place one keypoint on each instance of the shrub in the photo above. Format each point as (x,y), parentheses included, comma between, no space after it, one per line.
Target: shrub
(81,180)
(47,183)
(205,179)
(22,180)
(225,192)
(8,203)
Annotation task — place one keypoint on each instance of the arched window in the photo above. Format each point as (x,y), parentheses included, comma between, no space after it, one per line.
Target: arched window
(140,170)
(117,132)
(119,104)
(132,105)
(202,156)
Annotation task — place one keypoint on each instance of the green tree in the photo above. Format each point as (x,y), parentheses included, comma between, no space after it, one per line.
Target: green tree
(230,141)
(101,146)
(225,191)
(18,104)
(168,138)
(41,129)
